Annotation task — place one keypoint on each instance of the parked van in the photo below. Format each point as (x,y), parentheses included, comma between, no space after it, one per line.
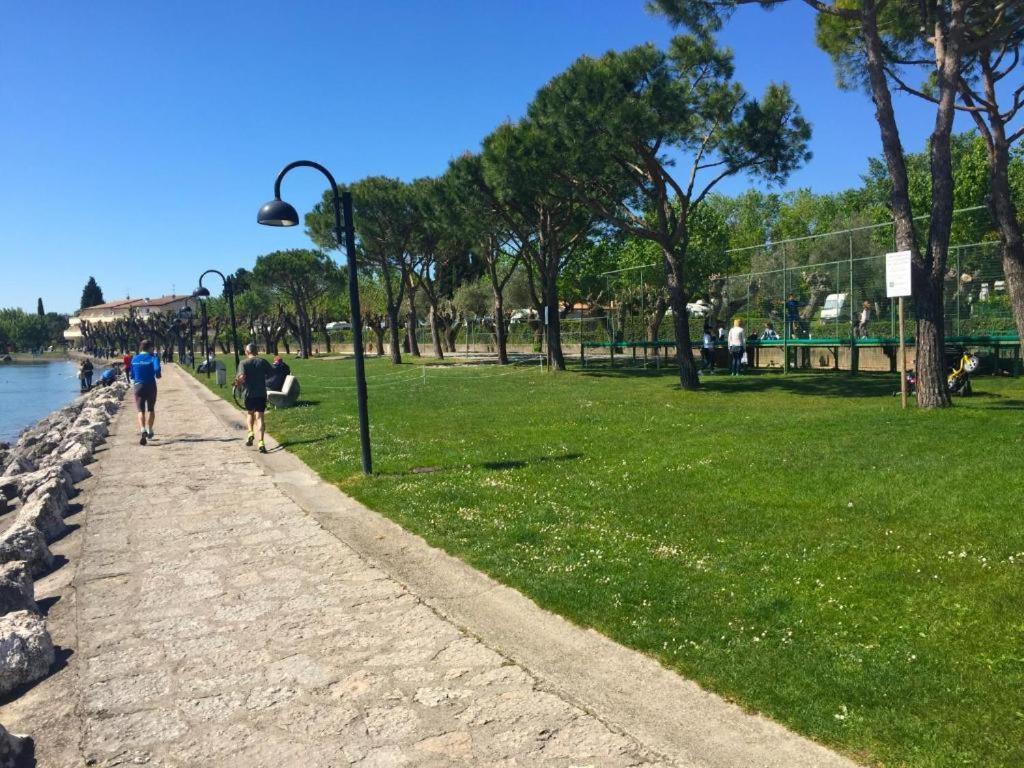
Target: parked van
(833,307)
(523,316)
(693,309)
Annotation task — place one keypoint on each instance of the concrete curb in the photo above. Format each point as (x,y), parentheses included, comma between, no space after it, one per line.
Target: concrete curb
(627,690)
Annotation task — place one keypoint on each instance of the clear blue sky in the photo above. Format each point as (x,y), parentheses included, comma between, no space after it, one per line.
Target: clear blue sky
(137,140)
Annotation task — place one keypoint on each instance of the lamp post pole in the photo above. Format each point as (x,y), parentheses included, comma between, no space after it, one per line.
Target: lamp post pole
(229,293)
(229,289)
(192,339)
(277,213)
(206,339)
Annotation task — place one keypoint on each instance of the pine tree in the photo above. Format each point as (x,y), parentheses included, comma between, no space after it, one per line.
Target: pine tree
(92,294)
(39,307)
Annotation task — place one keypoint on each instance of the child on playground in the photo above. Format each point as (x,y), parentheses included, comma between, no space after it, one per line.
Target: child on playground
(707,349)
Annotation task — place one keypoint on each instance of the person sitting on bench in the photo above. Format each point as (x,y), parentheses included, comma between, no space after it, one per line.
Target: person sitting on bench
(275,381)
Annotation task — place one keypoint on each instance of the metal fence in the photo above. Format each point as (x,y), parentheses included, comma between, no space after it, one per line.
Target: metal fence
(846,297)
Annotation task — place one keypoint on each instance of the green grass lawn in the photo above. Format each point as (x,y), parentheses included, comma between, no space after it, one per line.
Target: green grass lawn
(796,544)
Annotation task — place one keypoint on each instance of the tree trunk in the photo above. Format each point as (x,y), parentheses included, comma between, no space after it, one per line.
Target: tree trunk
(932,391)
(412,319)
(688,378)
(1004,211)
(396,352)
(435,336)
(327,337)
(451,333)
(930,368)
(501,332)
(553,326)
(378,332)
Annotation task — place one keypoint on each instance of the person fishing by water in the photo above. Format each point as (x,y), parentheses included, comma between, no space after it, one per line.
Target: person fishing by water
(145,372)
(252,377)
(85,374)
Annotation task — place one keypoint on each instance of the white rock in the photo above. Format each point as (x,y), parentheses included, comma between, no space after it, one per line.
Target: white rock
(17,592)
(44,511)
(24,542)
(26,650)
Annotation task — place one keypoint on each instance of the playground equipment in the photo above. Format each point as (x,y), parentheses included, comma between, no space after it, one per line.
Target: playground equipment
(959,379)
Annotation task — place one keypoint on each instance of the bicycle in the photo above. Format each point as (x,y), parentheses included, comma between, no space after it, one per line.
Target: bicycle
(959,379)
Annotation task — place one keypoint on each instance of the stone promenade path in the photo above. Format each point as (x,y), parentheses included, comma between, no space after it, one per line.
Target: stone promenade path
(210,613)
(219,625)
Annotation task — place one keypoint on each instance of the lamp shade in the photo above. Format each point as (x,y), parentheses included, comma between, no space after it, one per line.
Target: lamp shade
(277,213)
(201,292)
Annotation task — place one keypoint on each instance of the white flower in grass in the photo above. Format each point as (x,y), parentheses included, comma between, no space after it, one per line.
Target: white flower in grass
(842,714)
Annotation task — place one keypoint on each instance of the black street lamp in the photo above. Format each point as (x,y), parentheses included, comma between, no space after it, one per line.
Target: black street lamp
(229,291)
(203,328)
(278,213)
(186,329)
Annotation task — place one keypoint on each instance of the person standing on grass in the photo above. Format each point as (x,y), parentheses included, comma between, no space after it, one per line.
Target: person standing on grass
(252,377)
(707,349)
(145,371)
(737,344)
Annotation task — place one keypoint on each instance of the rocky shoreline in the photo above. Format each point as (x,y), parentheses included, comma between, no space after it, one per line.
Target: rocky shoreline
(38,475)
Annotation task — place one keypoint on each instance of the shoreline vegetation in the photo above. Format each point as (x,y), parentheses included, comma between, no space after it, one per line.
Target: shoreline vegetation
(795,543)
(23,358)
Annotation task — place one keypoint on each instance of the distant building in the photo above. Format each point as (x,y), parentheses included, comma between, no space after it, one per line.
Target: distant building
(117,310)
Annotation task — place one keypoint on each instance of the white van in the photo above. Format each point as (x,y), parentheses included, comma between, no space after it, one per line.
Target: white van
(833,307)
(693,309)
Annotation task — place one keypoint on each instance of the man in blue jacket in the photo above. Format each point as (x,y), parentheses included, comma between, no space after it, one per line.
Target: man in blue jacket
(145,372)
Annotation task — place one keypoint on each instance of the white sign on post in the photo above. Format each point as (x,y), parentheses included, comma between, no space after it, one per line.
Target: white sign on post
(897,274)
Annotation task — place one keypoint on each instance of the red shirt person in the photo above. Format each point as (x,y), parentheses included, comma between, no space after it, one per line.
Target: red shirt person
(127,361)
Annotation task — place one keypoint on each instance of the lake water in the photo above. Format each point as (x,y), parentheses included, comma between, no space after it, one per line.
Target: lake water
(29,391)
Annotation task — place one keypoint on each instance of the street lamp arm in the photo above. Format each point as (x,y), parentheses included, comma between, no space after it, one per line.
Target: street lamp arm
(216,272)
(229,293)
(303,164)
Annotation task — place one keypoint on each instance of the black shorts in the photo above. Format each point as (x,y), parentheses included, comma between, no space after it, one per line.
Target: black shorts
(256,403)
(145,396)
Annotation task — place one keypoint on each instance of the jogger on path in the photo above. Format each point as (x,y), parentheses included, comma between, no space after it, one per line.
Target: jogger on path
(145,372)
(253,377)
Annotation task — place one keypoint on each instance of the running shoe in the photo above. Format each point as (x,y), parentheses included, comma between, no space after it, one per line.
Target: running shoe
(249,439)
(263,447)
(142,438)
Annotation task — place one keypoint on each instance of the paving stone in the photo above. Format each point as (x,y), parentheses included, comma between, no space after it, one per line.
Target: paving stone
(219,625)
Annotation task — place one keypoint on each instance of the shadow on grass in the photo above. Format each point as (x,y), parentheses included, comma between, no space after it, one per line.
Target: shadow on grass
(493,465)
(993,401)
(815,383)
(309,441)
(521,463)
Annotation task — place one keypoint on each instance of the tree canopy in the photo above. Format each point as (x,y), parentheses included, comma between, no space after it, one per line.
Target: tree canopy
(92,294)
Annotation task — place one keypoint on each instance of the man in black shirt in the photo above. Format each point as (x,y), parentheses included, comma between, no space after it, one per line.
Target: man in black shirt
(252,376)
